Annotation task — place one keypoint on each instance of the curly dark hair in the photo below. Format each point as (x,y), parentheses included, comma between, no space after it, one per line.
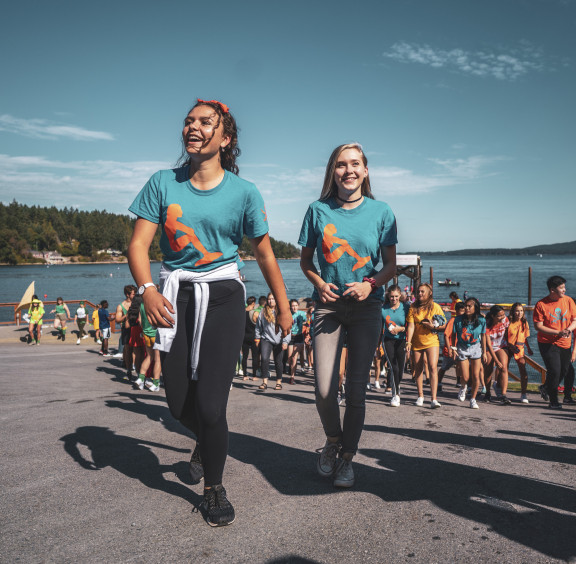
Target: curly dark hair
(228,154)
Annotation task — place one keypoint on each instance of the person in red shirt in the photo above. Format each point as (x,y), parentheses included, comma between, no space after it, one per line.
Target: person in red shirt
(555,319)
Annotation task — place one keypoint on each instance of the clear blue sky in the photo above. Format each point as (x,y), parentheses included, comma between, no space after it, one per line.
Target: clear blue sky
(465,108)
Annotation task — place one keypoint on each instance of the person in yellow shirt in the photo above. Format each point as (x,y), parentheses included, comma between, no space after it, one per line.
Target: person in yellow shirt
(96,324)
(424,321)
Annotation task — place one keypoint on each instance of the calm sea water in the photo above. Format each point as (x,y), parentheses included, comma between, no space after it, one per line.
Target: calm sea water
(490,279)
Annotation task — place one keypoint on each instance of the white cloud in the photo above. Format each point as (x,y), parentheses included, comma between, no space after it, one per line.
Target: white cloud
(43,129)
(110,185)
(502,66)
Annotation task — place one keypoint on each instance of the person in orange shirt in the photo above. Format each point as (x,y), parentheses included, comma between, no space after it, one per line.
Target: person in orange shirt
(518,333)
(555,320)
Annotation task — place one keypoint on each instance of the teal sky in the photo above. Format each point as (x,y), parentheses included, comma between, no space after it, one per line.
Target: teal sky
(464,108)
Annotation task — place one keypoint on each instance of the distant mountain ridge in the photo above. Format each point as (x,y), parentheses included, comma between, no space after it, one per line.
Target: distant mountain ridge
(554,249)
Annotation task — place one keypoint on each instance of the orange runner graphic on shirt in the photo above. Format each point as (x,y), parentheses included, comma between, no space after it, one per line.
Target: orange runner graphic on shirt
(328,241)
(173,214)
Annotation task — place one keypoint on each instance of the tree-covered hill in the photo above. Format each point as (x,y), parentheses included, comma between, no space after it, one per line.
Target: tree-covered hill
(78,234)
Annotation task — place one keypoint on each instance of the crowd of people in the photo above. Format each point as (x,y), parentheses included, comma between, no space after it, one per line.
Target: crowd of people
(199,319)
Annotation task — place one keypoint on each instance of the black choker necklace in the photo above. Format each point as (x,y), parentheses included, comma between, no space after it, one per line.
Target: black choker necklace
(349,201)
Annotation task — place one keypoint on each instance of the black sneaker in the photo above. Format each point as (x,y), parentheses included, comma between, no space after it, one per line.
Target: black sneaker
(555,406)
(504,400)
(543,392)
(196,469)
(63,336)
(569,399)
(487,398)
(218,511)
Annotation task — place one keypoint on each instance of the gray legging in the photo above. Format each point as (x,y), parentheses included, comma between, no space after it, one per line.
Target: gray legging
(361,323)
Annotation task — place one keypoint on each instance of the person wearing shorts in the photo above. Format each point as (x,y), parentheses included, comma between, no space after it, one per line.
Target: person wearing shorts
(470,333)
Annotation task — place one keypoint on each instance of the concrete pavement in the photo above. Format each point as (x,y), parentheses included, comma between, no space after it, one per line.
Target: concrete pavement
(95,471)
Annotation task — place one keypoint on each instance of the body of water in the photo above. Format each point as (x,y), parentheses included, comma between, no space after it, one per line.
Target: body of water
(490,279)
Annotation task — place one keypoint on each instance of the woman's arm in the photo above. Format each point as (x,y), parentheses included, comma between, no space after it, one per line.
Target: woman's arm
(309,269)
(409,335)
(158,308)
(361,290)
(271,272)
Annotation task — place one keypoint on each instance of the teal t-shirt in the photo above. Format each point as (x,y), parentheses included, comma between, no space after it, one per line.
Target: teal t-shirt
(466,333)
(396,317)
(201,229)
(348,242)
(298,320)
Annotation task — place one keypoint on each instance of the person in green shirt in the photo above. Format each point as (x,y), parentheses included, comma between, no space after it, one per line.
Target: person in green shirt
(62,315)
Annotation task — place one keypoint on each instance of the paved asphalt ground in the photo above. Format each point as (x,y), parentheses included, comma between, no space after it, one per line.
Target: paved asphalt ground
(95,471)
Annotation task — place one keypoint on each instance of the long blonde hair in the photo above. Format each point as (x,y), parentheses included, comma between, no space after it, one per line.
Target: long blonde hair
(270,312)
(329,188)
(427,304)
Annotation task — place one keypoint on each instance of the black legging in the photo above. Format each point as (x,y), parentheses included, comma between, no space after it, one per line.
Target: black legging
(249,345)
(266,348)
(201,405)
(395,350)
(557,360)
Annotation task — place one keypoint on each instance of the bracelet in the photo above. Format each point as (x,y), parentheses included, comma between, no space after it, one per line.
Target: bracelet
(372,283)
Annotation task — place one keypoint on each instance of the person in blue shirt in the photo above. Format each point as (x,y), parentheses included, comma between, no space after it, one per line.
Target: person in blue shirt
(470,332)
(350,233)
(394,339)
(203,209)
(296,346)
(105,329)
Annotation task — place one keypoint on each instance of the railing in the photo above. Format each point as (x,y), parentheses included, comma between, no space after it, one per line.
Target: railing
(18,319)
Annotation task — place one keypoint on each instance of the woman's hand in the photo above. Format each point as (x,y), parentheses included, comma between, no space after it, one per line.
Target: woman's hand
(484,358)
(428,324)
(158,308)
(498,363)
(284,322)
(284,346)
(394,330)
(358,290)
(326,293)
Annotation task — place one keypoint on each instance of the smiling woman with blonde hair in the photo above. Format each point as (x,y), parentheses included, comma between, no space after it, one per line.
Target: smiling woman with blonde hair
(424,321)
(350,233)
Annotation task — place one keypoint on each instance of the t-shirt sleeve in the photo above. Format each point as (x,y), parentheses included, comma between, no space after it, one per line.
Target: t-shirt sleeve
(388,233)
(410,316)
(572,310)
(148,202)
(255,222)
(538,314)
(482,326)
(307,235)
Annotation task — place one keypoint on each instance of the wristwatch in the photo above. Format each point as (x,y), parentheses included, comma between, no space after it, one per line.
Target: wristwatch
(142,288)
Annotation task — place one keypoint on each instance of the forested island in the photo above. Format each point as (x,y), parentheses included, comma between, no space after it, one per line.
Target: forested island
(34,234)
(554,249)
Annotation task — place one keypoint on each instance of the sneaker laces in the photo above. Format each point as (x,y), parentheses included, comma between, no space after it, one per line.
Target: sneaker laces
(329,452)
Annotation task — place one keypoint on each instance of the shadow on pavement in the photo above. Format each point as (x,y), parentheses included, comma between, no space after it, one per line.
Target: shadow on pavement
(516,447)
(531,512)
(129,456)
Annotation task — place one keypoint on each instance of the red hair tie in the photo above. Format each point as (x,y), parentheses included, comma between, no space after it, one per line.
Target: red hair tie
(222,106)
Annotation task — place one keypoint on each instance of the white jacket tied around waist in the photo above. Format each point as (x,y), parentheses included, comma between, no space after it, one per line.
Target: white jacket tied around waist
(170,283)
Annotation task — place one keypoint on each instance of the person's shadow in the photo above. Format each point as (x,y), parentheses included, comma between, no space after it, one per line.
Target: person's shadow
(131,457)
(534,513)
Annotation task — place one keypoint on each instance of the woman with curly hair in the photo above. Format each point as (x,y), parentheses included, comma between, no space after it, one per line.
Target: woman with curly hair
(425,319)
(204,209)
